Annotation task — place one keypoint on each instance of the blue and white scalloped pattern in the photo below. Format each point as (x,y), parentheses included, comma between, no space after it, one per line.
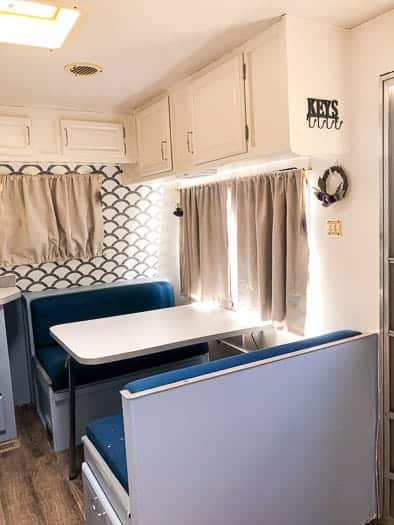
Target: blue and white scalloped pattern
(131,234)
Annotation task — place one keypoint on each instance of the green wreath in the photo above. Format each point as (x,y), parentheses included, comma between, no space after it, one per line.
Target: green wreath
(321,192)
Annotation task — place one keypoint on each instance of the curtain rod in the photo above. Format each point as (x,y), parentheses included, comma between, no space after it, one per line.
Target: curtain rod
(305,170)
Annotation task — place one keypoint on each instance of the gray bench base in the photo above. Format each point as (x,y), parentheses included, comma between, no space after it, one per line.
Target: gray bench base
(93,401)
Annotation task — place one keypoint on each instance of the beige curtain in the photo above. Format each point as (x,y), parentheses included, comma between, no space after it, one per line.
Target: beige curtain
(204,261)
(272,246)
(49,218)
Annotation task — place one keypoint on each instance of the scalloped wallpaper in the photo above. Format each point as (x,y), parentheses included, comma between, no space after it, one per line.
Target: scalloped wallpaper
(131,235)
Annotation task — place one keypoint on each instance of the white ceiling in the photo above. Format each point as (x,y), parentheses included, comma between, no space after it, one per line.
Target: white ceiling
(145,45)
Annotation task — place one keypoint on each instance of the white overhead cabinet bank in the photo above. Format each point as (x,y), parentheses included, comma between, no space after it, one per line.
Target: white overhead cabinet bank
(251,104)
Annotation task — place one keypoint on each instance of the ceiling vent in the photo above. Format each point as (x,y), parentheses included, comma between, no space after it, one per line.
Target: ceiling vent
(83,70)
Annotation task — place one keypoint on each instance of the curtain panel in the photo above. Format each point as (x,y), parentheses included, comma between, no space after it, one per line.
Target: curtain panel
(204,245)
(272,246)
(49,218)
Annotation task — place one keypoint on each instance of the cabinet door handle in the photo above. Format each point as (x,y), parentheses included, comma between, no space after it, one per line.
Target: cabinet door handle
(190,148)
(93,503)
(66,136)
(163,149)
(28,135)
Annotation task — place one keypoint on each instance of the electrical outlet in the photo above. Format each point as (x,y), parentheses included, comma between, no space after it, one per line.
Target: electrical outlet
(334,227)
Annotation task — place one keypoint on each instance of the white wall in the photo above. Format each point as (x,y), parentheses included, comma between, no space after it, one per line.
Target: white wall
(372,54)
(345,276)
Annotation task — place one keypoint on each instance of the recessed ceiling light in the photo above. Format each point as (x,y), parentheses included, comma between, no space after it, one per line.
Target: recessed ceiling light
(35,24)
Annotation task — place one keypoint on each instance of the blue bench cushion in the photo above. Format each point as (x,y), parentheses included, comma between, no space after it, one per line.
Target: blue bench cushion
(107,435)
(94,302)
(238,360)
(53,360)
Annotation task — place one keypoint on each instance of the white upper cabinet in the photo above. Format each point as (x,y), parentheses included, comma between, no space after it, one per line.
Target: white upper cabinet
(218,112)
(267,93)
(154,138)
(15,137)
(182,128)
(253,103)
(292,61)
(48,135)
(86,139)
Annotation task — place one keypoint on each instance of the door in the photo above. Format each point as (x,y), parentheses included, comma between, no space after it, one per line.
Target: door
(15,136)
(386,360)
(84,137)
(218,106)
(154,138)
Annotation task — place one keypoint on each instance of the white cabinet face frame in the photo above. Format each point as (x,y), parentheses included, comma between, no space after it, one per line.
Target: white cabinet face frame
(15,136)
(83,137)
(219,114)
(154,138)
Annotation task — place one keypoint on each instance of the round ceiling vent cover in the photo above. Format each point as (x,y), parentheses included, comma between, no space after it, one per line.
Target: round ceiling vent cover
(83,69)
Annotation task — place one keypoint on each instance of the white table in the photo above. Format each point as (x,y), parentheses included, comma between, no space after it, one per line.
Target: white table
(122,337)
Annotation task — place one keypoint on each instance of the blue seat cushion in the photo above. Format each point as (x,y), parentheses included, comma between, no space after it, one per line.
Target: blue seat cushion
(94,302)
(238,360)
(53,359)
(107,435)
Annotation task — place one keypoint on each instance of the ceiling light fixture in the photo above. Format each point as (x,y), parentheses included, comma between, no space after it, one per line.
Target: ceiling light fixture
(35,24)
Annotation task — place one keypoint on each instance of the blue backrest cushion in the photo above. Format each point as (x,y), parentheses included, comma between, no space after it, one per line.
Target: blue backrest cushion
(94,302)
(230,362)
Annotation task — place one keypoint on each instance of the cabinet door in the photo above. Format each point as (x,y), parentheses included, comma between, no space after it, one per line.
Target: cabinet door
(218,105)
(154,138)
(7,413)
(15,136)
(80,137)
(267,94)
(181,129)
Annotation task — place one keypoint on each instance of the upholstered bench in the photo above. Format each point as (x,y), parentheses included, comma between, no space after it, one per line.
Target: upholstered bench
(293,393)
(98,385)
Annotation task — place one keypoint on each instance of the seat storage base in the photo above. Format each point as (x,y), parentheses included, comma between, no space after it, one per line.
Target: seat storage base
(93,401)
(98,510)
(108,482)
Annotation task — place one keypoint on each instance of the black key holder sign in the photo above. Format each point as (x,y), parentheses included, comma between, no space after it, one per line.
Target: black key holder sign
(323,114)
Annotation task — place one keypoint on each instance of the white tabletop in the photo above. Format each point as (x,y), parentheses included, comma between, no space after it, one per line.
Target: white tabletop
(115,338)
(9,294)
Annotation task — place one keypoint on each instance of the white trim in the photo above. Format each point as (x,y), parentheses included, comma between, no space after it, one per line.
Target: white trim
(127,395)
(106,477)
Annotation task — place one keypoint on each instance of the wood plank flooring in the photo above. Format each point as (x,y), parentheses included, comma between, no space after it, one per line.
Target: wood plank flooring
(34,489)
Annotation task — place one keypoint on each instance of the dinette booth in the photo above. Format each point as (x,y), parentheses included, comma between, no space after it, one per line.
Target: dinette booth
(182,330)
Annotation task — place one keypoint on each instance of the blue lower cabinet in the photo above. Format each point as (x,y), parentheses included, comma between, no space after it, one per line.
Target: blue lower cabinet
(7,410)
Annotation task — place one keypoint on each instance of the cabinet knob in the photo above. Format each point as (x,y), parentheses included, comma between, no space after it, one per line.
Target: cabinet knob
(28,135)
(164,150)
(190,148)
(66,136)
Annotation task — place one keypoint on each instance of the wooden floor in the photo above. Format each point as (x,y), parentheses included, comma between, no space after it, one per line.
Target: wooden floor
(34,489)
